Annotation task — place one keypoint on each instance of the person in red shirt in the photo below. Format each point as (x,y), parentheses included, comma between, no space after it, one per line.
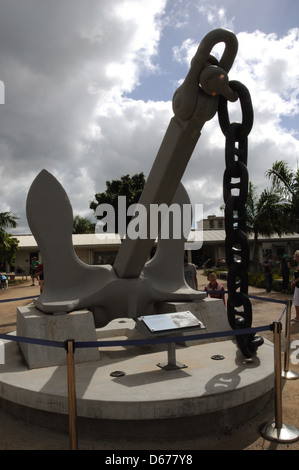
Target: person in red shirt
(214,289)
(40,275)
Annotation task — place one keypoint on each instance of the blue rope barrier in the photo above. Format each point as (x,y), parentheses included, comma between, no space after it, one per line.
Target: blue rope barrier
(135,342)
(255,297)
(20,298)
(88,344)
(284,311)
(265,299)
(171,339)
(24,339)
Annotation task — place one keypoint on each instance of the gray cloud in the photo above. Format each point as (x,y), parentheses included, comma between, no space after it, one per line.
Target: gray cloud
(69,68)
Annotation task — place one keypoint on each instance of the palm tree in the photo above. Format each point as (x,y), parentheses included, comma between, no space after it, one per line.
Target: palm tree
(265,215)
(7,220)
(286,182)
(8,244)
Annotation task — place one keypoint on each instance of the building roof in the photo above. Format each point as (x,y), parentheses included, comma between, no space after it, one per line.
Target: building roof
(214,236)
(79,240)
(94,240)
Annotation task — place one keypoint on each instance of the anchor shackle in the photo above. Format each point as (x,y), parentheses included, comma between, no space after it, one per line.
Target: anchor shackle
(205,70)
(214,81)
(213,38)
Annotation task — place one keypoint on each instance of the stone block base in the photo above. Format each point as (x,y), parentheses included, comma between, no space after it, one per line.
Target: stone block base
(211,312)
(77,325)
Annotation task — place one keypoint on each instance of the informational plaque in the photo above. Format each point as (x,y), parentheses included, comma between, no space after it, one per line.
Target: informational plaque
(167,323)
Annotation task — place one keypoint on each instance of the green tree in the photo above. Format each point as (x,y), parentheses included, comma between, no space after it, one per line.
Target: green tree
(83,225)
(8,244)
(8,248)
(7,220)
(129,186)
(286,183)
(265,215)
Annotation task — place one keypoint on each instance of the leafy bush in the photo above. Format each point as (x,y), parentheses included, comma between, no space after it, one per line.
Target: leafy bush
(256,279)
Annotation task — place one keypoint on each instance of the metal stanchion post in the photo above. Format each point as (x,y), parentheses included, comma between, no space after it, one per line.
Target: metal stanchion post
(70,348)
(278,431)
(172,363)
(287,373)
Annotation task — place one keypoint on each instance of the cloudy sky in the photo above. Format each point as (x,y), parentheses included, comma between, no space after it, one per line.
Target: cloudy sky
(89,86)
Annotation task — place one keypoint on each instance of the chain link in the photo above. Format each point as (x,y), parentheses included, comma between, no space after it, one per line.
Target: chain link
(235,190)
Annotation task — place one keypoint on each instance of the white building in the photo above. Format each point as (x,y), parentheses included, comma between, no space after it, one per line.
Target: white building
(214,242)
(92,250)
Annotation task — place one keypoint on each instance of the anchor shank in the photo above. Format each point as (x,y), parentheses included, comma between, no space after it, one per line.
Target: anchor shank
(194,103)
(167,171)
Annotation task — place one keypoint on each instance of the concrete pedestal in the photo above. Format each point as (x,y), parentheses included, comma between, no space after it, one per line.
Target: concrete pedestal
(32,323)
(146,403)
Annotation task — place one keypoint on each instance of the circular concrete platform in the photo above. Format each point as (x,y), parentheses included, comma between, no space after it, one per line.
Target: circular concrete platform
(217,391)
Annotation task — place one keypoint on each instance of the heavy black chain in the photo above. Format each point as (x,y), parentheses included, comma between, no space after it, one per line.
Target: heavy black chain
(235,190)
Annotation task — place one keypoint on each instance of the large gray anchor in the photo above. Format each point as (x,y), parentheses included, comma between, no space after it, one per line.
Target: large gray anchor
(133,285)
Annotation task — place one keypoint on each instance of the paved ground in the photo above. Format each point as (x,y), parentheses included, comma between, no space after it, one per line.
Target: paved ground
(16,435)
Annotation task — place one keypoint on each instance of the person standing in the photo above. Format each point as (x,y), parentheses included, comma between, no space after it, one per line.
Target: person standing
(295,284)
(40,276)
(34,265)
(4,282)
(268,265)
(190,274)
(284,270)
(214,289)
